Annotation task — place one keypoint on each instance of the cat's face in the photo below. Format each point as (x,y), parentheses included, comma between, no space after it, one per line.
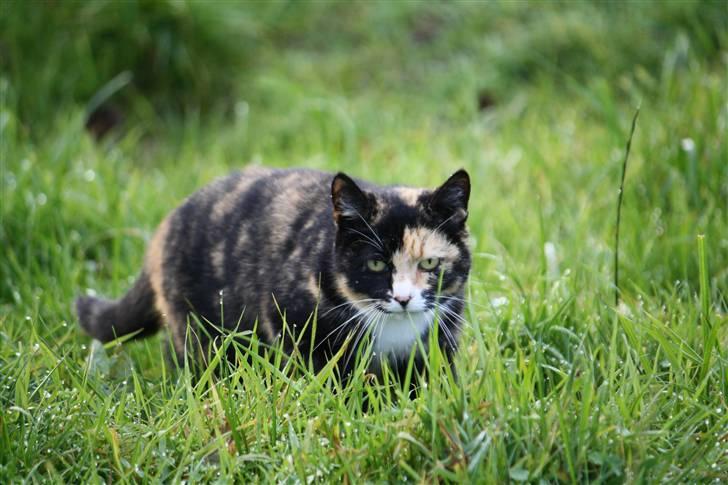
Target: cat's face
(401,253)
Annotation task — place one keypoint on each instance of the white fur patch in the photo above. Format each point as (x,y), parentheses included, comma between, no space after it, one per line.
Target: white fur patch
(398,332)
(403,289)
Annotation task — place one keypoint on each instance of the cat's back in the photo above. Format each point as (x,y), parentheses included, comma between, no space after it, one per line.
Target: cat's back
(251,204)
(241,237)
(256,210)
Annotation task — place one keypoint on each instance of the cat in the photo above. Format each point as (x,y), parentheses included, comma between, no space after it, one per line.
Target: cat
(335,260)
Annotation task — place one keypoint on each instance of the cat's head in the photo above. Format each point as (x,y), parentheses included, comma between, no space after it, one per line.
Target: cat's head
(398,248)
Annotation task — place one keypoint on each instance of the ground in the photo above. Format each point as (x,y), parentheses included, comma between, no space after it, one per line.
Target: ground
(557,381)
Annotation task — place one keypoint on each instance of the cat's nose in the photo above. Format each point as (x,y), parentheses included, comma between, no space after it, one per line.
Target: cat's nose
(402,300)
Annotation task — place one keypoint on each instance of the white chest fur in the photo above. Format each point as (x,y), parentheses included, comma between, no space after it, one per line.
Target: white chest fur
(398,332)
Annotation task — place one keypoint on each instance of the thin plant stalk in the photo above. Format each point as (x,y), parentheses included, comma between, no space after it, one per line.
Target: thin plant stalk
(619,206)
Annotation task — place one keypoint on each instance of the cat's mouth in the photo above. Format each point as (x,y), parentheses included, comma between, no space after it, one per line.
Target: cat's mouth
(407,311)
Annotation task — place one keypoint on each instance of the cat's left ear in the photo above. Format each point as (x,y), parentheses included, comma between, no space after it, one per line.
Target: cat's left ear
(350,202)
(450,200)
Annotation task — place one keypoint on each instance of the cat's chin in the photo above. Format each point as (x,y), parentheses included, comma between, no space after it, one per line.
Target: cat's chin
(399,331)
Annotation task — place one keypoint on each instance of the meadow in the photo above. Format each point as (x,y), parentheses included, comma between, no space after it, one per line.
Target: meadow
(557,382)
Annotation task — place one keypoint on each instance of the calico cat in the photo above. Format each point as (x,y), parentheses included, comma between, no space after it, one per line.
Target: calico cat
(262,248)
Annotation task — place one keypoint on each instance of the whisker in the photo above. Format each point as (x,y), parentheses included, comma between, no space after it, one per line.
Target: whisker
(467,302)
(448,336)
(364,316)
(445,221)
(458,319)
(361,330)
(450,312)
(370,228)
(352,303)
(341,326)
(372,244)
(366,329)
(372,241)
(446,331)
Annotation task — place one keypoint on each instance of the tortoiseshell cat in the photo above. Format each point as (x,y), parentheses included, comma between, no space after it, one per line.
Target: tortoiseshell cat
(262,245)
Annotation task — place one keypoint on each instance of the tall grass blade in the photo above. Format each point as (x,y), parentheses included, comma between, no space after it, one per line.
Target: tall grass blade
(709,335)
(619,206)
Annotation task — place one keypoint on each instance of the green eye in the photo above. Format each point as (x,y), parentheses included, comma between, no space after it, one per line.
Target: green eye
(429,264)
(376,265)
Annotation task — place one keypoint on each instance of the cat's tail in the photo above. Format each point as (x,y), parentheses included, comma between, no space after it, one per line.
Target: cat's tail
(106,320)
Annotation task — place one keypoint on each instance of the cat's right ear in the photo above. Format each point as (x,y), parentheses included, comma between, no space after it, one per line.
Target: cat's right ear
(350,202)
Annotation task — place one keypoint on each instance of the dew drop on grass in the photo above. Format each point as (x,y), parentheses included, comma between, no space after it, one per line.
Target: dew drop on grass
(688,145)
(89,175)
(498,302)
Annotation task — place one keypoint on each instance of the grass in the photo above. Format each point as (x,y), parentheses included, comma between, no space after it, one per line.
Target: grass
(555,382)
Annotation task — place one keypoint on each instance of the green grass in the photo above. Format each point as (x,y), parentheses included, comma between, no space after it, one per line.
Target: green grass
(555,383)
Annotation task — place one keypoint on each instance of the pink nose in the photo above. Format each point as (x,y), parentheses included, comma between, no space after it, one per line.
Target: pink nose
(402,300)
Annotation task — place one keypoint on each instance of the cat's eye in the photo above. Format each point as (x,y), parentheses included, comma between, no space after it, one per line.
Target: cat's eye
(376,265)
(429,264)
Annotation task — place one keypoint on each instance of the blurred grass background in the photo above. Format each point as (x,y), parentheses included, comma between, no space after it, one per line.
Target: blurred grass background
(112,112)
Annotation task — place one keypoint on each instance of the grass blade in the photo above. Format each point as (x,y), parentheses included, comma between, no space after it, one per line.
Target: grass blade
(619,206)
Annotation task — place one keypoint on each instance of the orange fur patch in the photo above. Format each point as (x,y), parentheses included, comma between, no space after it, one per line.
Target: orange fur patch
(421,243)
(409,195)
(155,268)
(351,296)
